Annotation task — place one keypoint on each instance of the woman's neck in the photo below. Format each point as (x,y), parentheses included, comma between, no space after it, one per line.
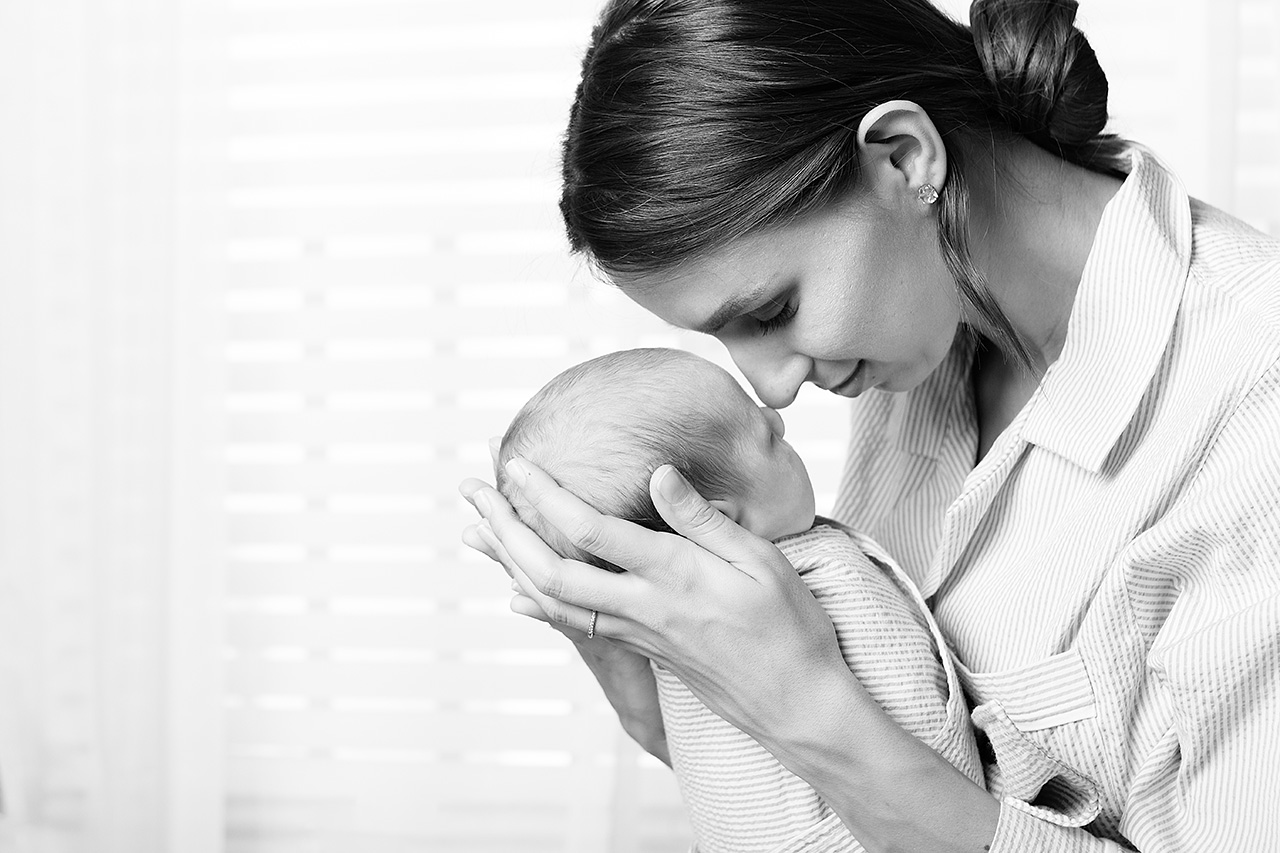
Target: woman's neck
(1032,225)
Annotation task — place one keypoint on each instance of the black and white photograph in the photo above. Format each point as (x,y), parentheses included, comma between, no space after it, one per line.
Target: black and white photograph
(640,426)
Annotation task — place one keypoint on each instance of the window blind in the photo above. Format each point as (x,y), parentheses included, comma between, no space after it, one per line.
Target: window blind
(1256,108)
(272,271)
(398,286)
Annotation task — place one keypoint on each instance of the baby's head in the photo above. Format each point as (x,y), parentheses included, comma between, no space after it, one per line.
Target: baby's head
(602,427)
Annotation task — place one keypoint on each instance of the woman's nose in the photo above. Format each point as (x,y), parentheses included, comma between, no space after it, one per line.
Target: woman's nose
(776,377)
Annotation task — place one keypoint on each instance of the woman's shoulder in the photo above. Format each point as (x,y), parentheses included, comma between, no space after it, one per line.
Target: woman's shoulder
(1229,317)
(1231,257)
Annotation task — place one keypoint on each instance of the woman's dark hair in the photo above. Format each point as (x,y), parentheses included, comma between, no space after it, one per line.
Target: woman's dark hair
(699,121)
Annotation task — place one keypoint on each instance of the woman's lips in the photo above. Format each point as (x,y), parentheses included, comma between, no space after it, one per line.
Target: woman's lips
(854,385)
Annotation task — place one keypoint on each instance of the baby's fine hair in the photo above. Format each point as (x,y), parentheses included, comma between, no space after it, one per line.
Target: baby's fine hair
(602,427)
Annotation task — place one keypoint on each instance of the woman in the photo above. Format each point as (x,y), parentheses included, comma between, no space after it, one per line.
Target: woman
(1067,383)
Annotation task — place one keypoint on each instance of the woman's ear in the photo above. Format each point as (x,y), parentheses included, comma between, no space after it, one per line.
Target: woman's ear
(901,151)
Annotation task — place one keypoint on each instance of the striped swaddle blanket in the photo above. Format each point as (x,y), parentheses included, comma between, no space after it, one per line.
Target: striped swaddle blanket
(739,798)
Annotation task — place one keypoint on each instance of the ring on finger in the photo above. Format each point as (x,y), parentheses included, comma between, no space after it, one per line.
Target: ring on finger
(591,628)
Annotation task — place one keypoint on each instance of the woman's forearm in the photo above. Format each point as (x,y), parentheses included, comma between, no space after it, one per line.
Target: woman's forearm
(628,683)
(891,790)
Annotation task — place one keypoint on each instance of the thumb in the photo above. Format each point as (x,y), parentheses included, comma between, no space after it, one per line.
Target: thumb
(690,515)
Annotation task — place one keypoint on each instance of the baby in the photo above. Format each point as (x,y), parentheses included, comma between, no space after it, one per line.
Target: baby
(600,429)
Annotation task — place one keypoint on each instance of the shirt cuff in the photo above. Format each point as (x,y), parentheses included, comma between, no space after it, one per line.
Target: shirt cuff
(1023,829)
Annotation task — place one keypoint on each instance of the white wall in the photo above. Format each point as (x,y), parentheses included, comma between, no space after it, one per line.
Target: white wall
(271,271)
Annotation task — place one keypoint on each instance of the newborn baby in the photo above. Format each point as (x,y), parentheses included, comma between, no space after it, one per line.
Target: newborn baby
(600,429)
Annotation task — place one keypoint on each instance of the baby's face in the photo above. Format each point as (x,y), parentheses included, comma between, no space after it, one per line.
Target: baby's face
(779,500)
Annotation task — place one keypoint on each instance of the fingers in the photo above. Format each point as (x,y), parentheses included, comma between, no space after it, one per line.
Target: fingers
(576,623)
(472,539)
(526,606)
(480,538)
(567,590)
(571,620)
(620,542)
(469,487)
(690,515)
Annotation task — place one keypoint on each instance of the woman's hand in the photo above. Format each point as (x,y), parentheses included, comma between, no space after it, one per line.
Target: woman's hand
(721,608)
(623,674)
(728,614)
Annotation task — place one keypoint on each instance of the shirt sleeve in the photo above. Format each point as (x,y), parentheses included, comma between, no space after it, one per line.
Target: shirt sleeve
(1214,659)
(1217,784)
(1022,830)
(1210,779)
(1213,781)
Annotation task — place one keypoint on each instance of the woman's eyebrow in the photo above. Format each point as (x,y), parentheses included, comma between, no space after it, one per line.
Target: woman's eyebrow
(731,308)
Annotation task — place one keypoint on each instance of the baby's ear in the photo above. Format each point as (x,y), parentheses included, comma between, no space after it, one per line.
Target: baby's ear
(730,508)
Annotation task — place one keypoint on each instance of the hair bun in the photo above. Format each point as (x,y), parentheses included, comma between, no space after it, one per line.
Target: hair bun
(1046,78)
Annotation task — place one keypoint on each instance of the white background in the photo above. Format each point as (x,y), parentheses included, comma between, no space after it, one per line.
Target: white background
(270,274)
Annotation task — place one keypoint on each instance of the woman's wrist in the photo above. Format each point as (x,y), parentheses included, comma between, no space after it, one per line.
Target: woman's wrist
(893,791)
(628,683)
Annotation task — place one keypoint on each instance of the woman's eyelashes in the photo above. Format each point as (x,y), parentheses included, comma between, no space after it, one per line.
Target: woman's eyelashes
(779,318)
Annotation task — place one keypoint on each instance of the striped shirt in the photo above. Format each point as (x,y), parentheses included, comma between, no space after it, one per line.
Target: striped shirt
(739,797)
(1108,575)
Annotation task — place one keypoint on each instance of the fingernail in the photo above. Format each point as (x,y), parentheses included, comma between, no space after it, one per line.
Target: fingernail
(517,472)
(482,502)
(671,485)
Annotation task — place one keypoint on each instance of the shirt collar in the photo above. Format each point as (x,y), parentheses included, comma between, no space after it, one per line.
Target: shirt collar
(1121,321)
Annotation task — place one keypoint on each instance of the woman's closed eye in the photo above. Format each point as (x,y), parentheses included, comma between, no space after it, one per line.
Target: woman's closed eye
(782,314)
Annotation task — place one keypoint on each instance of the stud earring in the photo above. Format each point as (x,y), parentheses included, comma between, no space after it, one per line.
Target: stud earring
(928,194)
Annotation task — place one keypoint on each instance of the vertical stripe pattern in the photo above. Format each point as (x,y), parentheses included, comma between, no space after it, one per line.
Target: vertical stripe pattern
(740,799)
(1109,573)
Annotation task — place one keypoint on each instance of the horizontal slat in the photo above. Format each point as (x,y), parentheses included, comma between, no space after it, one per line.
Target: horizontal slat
(442,373)
(454,683)
(320,479)
(366,159)
(530,208)
(428,195)
(451,785)
(501,828)
(259,52)
(329,529)
(456,807)
(304,149)
(312,841)
(475,422)
(254,16)
(391,116)
(434,66)
(318,576)
(443,632)
(460,835)
(341,427)
(475,579)
(443,732)
(288,266)
(400,816)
